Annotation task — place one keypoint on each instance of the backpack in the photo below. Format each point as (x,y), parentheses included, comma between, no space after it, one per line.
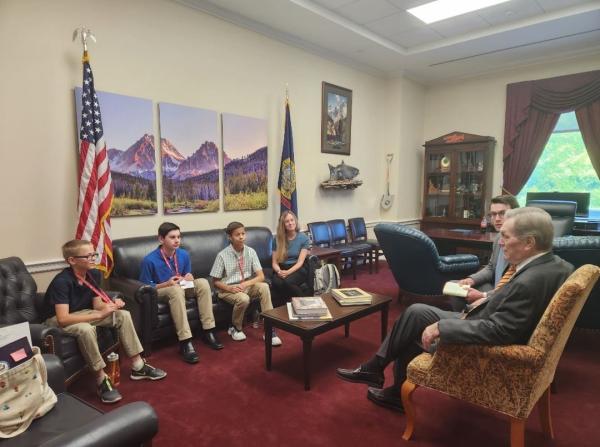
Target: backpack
(326,278)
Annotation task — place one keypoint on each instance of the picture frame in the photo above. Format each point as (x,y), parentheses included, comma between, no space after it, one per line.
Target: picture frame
(336,119)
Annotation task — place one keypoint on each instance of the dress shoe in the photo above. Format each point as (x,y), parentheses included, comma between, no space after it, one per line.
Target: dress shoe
(359,375)
(188,353)
(212,341)
(387,398)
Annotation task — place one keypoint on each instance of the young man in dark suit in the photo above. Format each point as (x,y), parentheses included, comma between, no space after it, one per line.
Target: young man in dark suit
(506,315)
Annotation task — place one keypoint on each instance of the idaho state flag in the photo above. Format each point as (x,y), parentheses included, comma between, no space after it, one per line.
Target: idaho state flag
(287,170)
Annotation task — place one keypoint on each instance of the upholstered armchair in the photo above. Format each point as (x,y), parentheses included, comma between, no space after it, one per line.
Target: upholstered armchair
(20,302)
(416,264)
(562,213)
(507,379)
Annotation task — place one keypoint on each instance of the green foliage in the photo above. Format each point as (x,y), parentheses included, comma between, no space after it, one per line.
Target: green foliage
(243,201)
(195,206)
(123,206)
(564,166)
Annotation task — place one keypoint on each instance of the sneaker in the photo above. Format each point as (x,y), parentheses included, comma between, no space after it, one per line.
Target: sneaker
(147,372)
(235,334)
(275,340)
(107,393)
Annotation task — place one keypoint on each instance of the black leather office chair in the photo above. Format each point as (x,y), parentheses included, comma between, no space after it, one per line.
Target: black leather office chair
(562,213)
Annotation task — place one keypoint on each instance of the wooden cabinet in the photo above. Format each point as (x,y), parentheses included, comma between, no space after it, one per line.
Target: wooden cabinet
(457,179)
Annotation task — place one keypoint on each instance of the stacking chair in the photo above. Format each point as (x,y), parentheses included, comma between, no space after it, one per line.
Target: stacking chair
(319,232)
(351,251)
(358,231)
(507,379)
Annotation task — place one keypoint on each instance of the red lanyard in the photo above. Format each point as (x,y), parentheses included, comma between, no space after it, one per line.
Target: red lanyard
(241,265)
(101,293)
(164,256)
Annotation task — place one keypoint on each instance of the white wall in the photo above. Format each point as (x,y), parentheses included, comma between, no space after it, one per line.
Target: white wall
(164,51)
(478,105)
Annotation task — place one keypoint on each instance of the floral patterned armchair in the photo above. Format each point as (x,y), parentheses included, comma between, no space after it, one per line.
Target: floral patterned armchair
(507,379)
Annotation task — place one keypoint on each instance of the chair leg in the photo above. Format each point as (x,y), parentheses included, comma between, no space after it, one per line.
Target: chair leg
(408,388)
(353,262)
(517,432)
(545,414)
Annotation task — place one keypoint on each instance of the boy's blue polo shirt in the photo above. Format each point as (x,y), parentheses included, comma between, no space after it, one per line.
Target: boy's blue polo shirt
(155,270)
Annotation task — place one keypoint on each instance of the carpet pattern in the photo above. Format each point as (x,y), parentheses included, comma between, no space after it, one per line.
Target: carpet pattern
(229,399)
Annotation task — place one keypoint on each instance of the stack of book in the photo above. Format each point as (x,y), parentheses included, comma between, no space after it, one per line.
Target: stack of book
(352,296)
(309,308)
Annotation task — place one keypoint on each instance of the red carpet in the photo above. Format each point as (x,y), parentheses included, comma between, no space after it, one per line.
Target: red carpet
(229,399)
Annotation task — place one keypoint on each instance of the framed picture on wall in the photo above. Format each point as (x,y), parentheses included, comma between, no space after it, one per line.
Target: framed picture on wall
(336,119)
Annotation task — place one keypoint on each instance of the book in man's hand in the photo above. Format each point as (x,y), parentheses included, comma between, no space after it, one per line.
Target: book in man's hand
(455,289)
(309,306)
(352,296)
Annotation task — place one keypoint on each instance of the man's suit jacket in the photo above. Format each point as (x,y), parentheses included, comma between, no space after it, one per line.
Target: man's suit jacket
(511,313)
(488,277)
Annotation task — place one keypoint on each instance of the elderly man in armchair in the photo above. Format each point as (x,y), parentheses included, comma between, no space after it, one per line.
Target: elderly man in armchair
(506,315)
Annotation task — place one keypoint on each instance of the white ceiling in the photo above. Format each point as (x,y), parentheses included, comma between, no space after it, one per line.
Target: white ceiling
(380,37)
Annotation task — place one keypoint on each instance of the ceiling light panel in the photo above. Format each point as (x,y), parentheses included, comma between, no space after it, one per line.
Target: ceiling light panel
(444,9)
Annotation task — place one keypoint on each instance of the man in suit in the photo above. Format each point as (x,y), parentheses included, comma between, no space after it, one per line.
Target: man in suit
(487,278)
(506,315)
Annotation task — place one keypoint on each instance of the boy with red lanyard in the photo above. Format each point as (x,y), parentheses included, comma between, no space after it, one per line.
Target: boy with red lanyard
(165,268)
(75,302)
(238,275)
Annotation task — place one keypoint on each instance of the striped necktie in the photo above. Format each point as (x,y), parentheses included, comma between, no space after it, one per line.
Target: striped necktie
(510,271)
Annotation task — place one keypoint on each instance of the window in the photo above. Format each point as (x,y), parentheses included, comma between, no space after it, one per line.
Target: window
(565,165)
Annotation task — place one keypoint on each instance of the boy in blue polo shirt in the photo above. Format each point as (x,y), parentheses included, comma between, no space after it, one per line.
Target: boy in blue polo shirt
(168,268)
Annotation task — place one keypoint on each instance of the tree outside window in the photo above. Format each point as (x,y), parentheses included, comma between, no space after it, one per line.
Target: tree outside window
(564,165)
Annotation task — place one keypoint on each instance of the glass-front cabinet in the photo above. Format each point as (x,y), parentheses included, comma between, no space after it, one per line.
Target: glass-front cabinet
(458,171)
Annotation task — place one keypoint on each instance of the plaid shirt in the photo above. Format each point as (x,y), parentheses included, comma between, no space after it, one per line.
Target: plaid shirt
(229,265)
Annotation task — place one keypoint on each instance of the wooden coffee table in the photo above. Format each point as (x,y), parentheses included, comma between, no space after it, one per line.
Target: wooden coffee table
(307,330)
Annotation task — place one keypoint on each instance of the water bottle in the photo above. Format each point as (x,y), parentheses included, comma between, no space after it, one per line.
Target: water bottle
(484,224)
(113,368)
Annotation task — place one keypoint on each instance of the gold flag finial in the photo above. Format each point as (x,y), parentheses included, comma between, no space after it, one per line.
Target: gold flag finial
(85,34)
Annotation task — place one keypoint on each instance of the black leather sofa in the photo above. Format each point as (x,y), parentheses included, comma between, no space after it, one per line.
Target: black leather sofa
(75,423)
(20,302)
(151,317)
(580,250)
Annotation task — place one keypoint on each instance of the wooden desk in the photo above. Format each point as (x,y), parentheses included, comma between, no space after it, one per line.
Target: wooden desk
(451,241)
(328,255)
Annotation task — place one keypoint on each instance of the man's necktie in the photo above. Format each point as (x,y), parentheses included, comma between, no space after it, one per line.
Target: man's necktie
(510,271)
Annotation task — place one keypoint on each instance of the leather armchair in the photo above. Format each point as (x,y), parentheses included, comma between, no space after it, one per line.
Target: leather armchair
(581,250)
(153,318)
(20,302)
(416,264)
(507,379)
(562,213)
(75,423)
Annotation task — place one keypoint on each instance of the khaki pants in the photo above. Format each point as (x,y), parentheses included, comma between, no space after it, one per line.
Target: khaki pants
(88,342)
(175,297)
(241,301)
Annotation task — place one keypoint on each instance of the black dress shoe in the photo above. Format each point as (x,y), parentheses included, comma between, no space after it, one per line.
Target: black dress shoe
(187,351)
(211,340)
(358,375)
(387,398)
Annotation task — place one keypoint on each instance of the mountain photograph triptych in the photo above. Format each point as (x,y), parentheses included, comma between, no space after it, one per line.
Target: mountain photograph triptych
(189,157)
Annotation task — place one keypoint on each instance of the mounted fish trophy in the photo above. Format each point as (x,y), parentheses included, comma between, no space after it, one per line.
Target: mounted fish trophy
(387,199)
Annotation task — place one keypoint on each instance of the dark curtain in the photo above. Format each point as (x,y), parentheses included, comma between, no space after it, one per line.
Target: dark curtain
(532,110)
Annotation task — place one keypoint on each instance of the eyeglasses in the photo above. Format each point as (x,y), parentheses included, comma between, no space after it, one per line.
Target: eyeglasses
(89,257)
(498,214)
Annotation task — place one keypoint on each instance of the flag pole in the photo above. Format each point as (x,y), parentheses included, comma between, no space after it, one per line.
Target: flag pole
(85,33)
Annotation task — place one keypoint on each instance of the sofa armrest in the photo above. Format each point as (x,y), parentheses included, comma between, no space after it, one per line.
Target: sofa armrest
(56,373)
(458,263)
(131,424)
(47,338)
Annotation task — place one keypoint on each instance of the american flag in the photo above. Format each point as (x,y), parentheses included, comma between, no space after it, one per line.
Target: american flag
(95,183)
